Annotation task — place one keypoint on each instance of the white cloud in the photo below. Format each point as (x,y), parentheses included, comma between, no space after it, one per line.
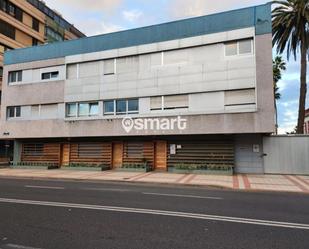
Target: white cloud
(185,8)
(94,27)
(132,15)
(89,5)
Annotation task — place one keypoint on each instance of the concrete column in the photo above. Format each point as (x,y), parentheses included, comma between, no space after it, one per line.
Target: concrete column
(17,151)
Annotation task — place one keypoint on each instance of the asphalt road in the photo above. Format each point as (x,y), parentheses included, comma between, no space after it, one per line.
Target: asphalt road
(63,214)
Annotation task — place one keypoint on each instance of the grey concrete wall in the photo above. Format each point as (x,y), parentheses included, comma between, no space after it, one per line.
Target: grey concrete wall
(249,154)
(286,155)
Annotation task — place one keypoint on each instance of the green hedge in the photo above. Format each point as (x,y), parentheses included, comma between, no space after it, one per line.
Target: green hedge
(34,164)
(203,167)
(88,165)
(134,166)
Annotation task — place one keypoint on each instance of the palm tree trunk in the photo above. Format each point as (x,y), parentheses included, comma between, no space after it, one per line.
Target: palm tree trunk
(276,111)
(303,90)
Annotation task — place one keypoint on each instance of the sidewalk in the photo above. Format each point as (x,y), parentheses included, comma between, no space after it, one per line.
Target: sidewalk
(284,183)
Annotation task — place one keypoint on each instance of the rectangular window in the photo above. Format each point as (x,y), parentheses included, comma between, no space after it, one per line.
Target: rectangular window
(169,102)
(176,102)
(109,107)
(109,67)
(13,112)
(121,106)
(94,109)
(156,103)
(15,76)
(35,24)
(72,110)
(35,42)
(133,106)
(12,9)
(82,109)
(245,47)
(240,97)
(7,29)
(19,14)
(50,75)
(241,47)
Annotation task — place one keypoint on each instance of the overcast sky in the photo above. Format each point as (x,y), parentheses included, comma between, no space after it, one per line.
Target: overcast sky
(104,16)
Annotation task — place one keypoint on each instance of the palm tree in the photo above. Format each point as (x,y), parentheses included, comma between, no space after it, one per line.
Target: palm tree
(291,34)
(279,65)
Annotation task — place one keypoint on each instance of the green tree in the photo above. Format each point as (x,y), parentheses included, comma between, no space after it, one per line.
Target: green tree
(291,34)
(279,66)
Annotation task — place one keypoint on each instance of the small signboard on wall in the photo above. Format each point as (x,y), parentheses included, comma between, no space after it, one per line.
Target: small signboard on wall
(173,149)
(256,148)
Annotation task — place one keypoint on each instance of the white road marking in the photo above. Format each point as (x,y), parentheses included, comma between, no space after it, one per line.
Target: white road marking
(162,213)
(19,246)
(107,189)
(185,196)
(43,187)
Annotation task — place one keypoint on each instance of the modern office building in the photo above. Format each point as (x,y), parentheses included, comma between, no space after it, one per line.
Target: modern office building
(306,126)
(195,91)
(29,23)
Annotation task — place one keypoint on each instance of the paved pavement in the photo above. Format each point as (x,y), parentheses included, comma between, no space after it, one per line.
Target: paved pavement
(284,183)
(52,214)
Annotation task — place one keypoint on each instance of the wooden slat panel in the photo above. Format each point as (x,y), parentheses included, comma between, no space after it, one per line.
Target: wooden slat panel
(138,152)
(92,153)
(212,152)
(41,152)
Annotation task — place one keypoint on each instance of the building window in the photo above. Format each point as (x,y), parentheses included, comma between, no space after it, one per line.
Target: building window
(35,24)
(71,110)
(121,107)
(13,112)
(50,75)
(109,107)
(240,97)
(133,106)
(94,109)
(15,76)
(7,29)
(176,102)
(11,9)
(169,102)
(245,46)
(83,109)
(34,41)
(1,73)
(241,47)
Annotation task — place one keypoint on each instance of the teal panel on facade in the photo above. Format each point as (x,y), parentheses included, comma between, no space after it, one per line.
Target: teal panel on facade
(258,16)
